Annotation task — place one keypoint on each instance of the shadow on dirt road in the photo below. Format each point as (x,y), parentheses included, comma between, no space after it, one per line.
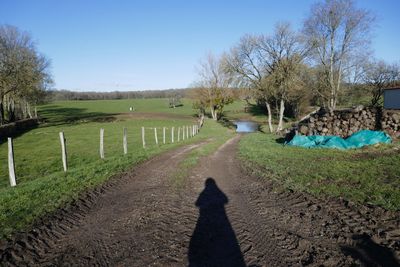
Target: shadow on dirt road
(370,253)
(213,242)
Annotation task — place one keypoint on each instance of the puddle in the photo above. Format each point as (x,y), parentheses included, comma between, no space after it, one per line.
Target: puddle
(246,126)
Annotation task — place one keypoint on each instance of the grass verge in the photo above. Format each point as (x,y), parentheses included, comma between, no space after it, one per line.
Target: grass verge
(369,175)
(43,186)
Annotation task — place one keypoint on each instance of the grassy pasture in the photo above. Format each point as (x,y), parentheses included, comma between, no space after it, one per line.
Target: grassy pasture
(43,186)
(368,175)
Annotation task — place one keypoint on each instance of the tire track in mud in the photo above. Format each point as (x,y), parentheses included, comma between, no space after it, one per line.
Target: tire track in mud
(278,227)
(222,215)
(96,229)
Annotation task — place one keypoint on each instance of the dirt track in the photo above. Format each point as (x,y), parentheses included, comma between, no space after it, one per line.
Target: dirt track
(221,217)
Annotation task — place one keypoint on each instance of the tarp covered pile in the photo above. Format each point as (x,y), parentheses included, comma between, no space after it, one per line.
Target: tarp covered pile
(356,140)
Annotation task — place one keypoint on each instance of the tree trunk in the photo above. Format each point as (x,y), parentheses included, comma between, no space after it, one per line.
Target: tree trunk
(271,128)
(1,112)
(213,113)
(281,112)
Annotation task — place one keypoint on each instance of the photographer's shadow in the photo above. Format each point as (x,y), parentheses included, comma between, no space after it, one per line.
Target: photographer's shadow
(213,242)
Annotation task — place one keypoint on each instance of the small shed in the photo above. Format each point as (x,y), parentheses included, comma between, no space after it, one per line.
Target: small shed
(391,98)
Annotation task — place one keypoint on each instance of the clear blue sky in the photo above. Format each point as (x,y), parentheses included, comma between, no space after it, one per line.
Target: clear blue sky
(140,45)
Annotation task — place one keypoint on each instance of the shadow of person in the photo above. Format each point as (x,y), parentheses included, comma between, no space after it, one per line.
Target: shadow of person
(370,253)
(213,242)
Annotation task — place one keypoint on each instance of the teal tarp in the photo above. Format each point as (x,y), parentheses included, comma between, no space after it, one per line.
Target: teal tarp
(356,140)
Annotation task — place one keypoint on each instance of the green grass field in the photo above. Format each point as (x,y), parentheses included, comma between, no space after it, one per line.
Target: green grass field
(83,111)
(368,175)
(42,186)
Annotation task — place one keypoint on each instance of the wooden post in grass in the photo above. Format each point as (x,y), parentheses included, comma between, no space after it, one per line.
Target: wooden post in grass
(187,132)
(63,151)
(11,167)
(172,134)
(102,143)
(163,132)
(179,134)
(143,140)
(183,133)
(125,141)
(155,135)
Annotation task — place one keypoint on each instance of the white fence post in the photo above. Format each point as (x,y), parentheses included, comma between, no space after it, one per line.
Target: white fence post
(163,135)
(102,143)
(143,139)
(179,134)
(125,141)
(63,151)
(183,133)
(11,167)
(172,134)
(155,135)
(187,132)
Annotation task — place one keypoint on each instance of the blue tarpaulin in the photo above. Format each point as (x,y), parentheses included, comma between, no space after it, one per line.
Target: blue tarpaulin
(356,140)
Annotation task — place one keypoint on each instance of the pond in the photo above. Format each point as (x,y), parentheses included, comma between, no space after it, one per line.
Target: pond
(246,126)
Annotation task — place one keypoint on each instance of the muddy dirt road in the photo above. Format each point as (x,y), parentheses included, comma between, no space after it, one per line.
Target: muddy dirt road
(221,217)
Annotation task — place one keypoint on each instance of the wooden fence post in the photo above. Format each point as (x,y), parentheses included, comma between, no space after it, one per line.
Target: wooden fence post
(102,143)
(172,134)
(11,167)
(183,133)
(179,134)
(163,135)
(155,135)
(187,132)
(63,151)
(125,141)
(143,139)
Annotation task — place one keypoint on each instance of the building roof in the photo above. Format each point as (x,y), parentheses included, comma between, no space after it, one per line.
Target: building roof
(392,88)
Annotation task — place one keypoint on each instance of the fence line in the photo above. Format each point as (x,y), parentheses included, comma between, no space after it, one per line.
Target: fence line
(187,132)
(155,136)
(11,166)
(102,143)
(125,141)
(63,151)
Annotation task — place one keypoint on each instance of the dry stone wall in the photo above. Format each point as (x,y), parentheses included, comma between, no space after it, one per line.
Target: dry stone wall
(346,122)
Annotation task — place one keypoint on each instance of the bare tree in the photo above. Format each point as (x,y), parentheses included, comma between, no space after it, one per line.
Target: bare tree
(378,76)
(283,53)
(337,30)
(23,74)
(250,69)
(213,85)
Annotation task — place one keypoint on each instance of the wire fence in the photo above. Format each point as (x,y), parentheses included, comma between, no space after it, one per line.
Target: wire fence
(149,135)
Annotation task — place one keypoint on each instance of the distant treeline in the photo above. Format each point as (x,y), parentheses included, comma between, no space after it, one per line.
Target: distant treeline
(57,95)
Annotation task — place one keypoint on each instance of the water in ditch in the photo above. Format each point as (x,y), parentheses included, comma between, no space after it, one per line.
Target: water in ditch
(246,126)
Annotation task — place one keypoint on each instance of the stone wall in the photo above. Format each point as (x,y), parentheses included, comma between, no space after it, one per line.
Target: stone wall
(346,122)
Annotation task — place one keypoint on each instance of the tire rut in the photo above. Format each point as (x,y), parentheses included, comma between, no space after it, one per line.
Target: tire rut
(222,215)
